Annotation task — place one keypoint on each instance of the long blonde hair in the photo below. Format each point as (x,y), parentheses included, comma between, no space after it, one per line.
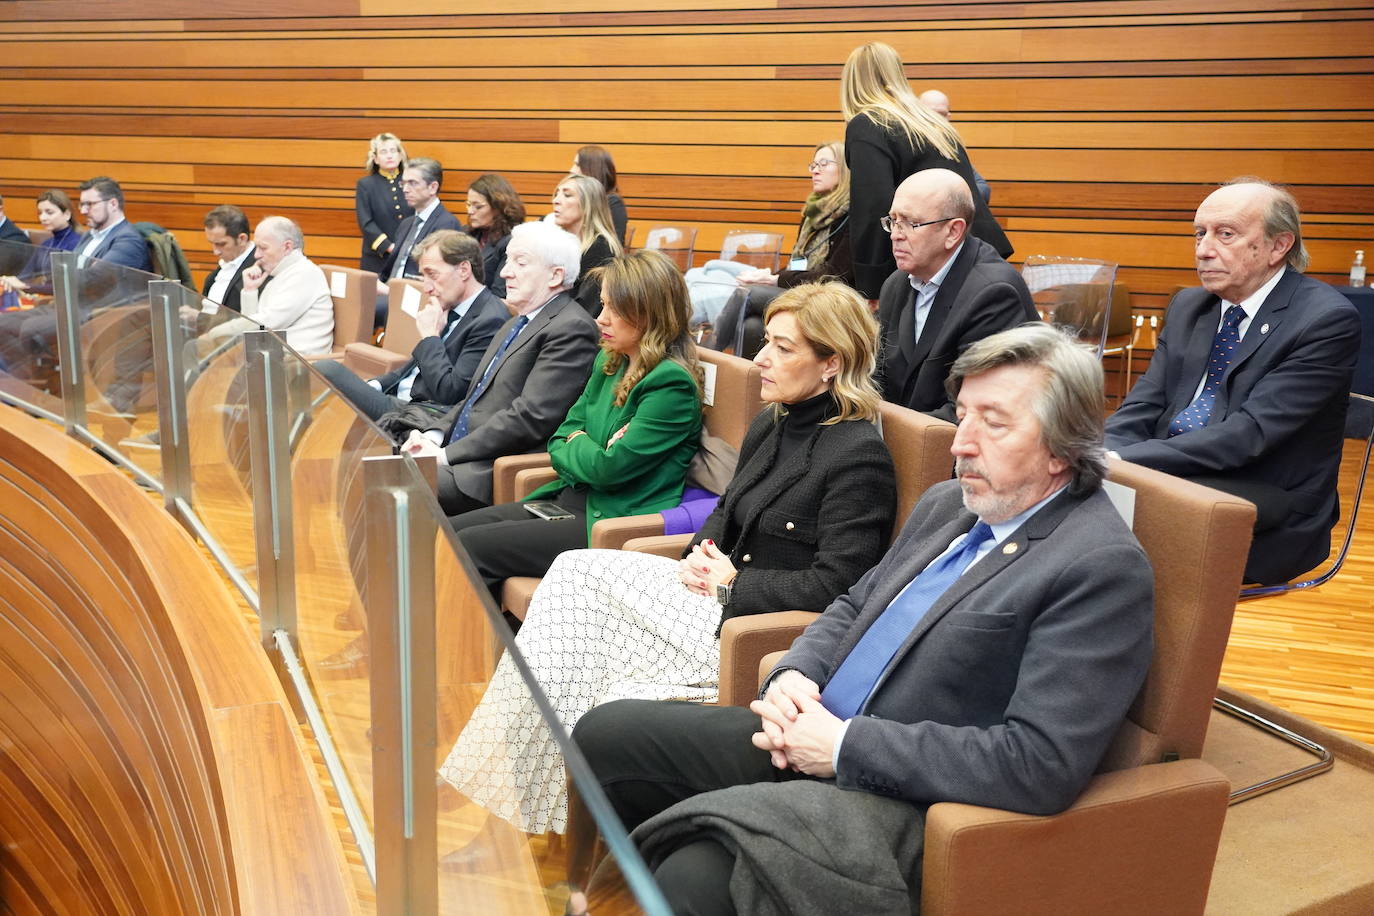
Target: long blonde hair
(836,321)
(647,290)
(596,213)
(873,83)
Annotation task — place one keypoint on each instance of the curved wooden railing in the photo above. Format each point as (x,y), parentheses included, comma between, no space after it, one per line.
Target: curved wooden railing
(149,759)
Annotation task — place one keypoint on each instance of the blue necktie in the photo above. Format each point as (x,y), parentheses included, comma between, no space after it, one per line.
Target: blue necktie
(460,429)
(1196,414)
(854,680)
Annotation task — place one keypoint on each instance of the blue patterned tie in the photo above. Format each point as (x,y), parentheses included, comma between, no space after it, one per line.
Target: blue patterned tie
(1196,414)
(460,429)
(854,680)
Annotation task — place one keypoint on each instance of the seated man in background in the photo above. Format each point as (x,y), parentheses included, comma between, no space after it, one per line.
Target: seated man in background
(989,658)
(226,229)
(456,323)
(1248,385)
(532,372)
(296,302)
(9,232)
(111,238)
(949,290)
(420,183)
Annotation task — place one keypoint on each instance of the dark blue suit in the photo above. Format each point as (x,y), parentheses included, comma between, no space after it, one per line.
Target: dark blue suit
(439,219)
(123,245)
(1275,434)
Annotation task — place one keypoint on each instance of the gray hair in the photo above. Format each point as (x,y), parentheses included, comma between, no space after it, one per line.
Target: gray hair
(554,247)
(1069,404)
(1281,214)
(283,230)
(429,169)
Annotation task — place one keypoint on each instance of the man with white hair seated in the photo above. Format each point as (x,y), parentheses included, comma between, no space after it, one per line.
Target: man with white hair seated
(284,291)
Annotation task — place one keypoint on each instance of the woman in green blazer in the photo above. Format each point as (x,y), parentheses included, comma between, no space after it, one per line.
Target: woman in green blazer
(626,443)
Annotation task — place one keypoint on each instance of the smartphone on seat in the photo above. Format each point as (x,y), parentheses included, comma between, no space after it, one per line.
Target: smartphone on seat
(551,512)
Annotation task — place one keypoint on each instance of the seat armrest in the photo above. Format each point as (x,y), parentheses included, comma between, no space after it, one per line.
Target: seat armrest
(613,533)
(1137,841)
(503,472)
(531,479)
(745,640)
(367,361)
(663,545)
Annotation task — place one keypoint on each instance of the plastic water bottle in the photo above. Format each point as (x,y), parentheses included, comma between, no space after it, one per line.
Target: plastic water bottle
(1357,270)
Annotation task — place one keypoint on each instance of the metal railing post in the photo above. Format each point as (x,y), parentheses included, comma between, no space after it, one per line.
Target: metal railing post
(166,299)
(71,369)
(400,609)
(270,460)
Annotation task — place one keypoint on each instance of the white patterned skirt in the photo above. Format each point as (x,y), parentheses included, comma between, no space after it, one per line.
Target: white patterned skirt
(603,625)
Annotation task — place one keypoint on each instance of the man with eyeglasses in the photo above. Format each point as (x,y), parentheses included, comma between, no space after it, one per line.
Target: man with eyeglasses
(112,237)
(949,290)
(420,182)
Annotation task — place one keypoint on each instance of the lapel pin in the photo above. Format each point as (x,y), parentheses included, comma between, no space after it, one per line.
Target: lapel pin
(1011,548)
(1264,329)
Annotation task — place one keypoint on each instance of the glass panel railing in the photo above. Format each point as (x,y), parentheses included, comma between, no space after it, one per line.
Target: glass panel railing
(28,326)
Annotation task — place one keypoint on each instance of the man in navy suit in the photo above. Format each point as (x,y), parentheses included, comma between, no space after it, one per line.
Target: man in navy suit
(1248,385)
(420,182)
(112,238)
(989,658)
(456,323)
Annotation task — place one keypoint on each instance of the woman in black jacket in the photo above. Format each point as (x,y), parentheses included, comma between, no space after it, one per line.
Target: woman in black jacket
(379,201)
(809,511)
(890,135)
(579,207)
(494,209)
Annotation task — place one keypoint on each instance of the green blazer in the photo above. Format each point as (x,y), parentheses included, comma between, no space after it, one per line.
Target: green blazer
(642,471)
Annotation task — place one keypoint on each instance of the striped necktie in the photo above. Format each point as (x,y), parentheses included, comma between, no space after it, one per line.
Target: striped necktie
(460,429)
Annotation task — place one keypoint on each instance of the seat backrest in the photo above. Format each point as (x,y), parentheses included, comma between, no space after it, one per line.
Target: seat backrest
(38,236)
(355,303)
(736,398)
(401,335)
(678,243)
(753,247)
(1120,321)
(1197,540)
(1072,293)
(629,241)
(920,446)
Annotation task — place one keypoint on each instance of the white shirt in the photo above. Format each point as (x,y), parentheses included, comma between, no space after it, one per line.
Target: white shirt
(925,292)
(458,311)
(225,275)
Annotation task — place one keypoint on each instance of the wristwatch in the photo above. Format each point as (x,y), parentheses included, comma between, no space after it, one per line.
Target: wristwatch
(723,590)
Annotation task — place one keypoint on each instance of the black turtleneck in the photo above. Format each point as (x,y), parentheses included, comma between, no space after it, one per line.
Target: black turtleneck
(795,430)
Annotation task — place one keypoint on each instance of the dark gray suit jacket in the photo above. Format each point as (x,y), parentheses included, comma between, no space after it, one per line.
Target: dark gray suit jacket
(982,294)
(1279,418)
(439,219)
(235,290)
(123,245)
(538,379)
(9,232)
(1008,692)
(447,363)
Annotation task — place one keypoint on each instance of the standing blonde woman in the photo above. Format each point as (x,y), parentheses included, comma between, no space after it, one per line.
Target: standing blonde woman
(379,201)
(580,207)
(890,136)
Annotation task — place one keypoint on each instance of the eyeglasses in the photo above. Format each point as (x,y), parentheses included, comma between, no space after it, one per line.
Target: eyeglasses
(890,224)
(818,164)
(87,204)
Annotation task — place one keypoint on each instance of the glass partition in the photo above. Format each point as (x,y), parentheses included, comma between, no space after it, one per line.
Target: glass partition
(28,368)
(368,603)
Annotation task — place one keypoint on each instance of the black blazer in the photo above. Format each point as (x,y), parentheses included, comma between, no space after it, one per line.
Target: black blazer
(493,260)
(9,232)
(235,290)
(822,520)
(381,206)
(588,293)
(439,219)
(1279,419)
(879,160)
(982,295)
(620,219)
(447,363)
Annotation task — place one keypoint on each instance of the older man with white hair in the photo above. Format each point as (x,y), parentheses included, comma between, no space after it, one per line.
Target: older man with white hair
(284,291)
